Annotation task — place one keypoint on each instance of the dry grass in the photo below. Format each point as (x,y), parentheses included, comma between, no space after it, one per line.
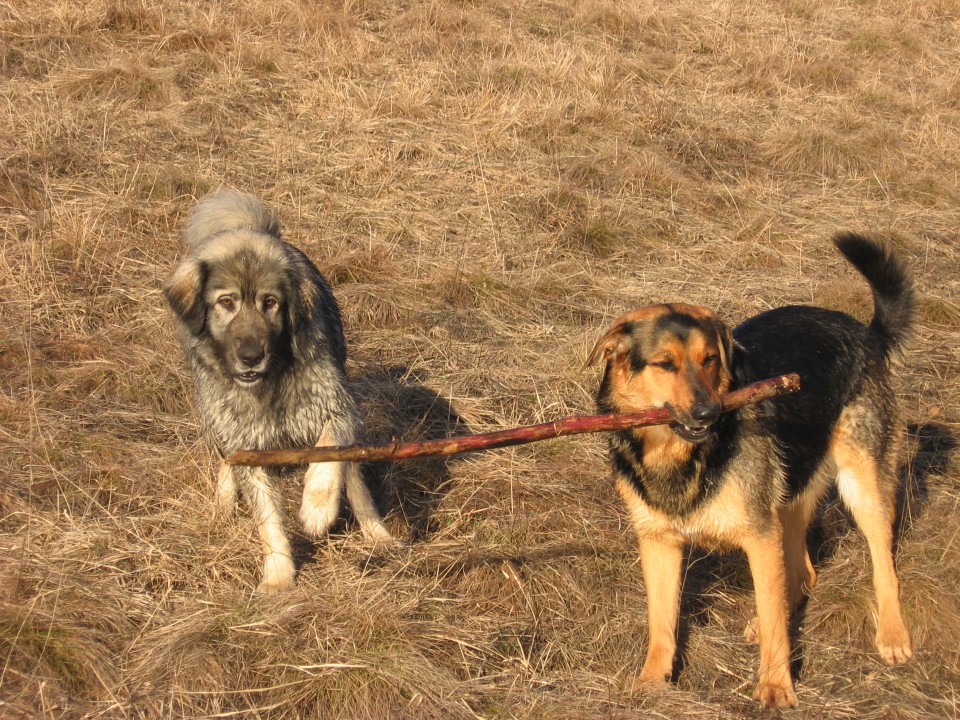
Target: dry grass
(487,184)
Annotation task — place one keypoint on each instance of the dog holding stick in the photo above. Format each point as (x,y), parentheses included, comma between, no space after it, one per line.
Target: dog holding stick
(751,479)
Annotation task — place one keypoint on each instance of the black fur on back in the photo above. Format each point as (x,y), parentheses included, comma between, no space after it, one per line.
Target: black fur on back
(835,355)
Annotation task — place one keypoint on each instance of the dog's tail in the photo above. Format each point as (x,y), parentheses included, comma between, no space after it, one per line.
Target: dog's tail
(228,210)
(894,299)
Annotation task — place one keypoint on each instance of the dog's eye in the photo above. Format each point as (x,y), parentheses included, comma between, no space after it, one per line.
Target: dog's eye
(709,360)
(664,365)
(226,302)
(269,302)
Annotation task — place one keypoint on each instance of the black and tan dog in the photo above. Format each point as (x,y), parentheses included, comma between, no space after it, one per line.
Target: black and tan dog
(751,479)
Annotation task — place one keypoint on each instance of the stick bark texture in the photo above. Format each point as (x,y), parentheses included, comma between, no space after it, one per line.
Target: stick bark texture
(574,425)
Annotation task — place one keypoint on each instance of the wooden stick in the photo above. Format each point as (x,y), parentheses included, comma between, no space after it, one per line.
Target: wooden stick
(762,390)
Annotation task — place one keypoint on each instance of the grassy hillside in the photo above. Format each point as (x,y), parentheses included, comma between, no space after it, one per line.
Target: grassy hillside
(487,184)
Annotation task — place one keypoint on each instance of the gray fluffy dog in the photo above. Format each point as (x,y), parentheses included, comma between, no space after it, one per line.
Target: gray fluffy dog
(263,336)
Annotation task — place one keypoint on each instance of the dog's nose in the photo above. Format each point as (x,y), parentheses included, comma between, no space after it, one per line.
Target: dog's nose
(705,413)
(250,352)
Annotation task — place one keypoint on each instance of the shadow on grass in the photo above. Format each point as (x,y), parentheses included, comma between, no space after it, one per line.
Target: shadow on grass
(397,405)
(933,445)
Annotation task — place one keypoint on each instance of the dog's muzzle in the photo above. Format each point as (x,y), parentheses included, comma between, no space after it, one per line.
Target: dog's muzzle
(697,425)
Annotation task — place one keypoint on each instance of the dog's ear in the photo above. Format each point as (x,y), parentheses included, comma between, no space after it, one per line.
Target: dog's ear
(615,344)
(725,343)
(184,293)
(302,305)
(313,316)
(302,301)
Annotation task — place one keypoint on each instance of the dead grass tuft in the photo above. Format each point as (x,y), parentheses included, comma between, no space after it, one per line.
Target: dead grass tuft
(849,150)
(131,16)
(884,39)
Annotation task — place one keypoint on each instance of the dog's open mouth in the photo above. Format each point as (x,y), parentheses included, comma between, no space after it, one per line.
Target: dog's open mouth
(691,434)
(248,378)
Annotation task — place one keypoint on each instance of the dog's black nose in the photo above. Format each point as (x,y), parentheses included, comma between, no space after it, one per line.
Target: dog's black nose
(705,413)
(250,353)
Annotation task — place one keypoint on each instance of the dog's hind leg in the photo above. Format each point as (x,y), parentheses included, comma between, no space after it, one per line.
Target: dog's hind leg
(867,488)
(363,505)
(324,483)
(321,500)
(265,502)
(801,576)
(322,486)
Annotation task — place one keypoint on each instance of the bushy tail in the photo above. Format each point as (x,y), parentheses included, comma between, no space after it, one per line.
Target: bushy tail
(894,299)
(228,210)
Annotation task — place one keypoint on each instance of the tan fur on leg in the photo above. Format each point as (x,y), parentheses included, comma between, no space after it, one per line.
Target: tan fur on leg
(661,562)
(765,555)
(862,491)
(322,488)
(363,506)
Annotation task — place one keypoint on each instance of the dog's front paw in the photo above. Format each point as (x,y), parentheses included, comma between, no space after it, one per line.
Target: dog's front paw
(776,695)
(657,669)
(278,573)
(894,645)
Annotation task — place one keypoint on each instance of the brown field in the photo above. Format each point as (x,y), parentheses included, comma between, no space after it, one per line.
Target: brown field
(487,184)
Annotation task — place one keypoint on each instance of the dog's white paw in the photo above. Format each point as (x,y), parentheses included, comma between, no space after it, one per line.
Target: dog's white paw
(377,532)
(318,512)
(225,505)
(278,573)
(275,587)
